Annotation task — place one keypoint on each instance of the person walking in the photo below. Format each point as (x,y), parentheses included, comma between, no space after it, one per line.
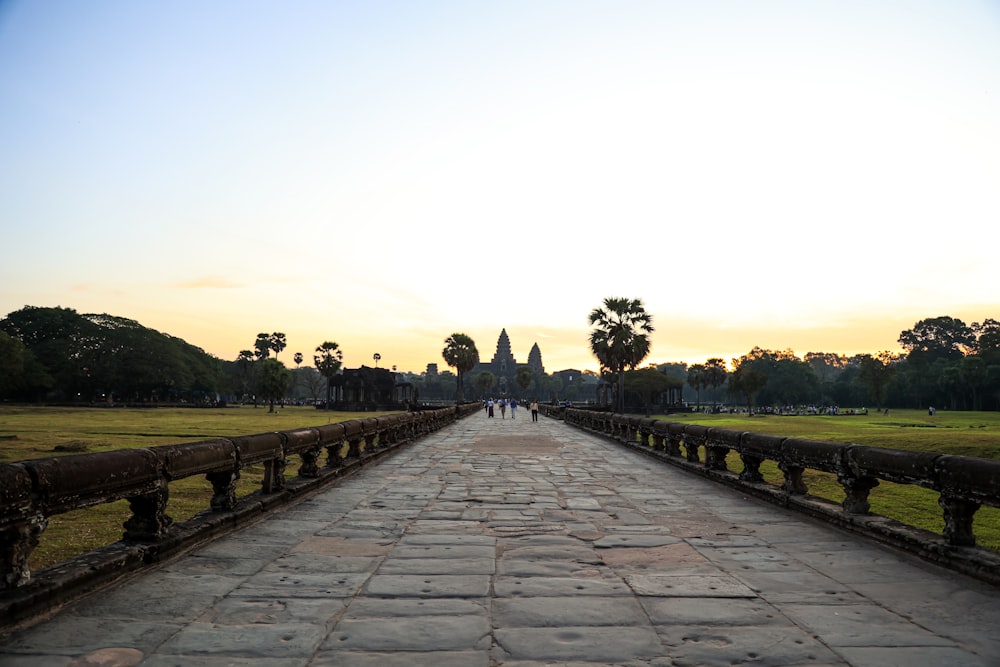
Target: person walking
(489,407)
(503,409)
(534,410)
(513,408)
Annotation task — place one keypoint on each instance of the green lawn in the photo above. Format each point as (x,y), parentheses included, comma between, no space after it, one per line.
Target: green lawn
(962,433)
(42,432)
(39,432)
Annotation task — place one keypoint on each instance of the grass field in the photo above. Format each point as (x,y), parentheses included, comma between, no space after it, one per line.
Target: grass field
(962,433)
(40,432)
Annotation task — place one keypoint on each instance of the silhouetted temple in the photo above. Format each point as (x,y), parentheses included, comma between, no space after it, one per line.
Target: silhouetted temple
(504,366)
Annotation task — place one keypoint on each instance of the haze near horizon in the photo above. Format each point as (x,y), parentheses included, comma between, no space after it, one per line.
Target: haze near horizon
(806,176)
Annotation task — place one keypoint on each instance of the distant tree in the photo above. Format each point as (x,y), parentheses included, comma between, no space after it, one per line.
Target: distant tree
(461,354)
(12,360)
(328,359)
(620,338)
(972,371)
(825,364)
(98,356)
(938,338)
(273,381)
(297,358)
(876,373)
(746,381)
(715,372)
(647,383)
(485,382)
(276,342)
(523,377)
(313,382)
(987,338)
(21,375)
(696,380)
(246,371)
(262,346)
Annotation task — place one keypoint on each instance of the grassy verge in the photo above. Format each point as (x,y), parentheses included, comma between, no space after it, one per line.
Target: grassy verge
(42,432)
(962,433)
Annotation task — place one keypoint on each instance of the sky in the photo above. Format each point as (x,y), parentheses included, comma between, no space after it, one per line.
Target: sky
(815,176)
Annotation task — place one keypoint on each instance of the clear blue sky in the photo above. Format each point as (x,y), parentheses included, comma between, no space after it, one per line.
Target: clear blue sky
(807,175)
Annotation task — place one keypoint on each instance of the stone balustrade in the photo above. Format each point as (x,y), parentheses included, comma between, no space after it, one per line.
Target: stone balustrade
(33,491)
(963,484)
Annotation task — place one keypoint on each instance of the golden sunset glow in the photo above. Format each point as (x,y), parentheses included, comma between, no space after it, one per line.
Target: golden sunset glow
(807,176)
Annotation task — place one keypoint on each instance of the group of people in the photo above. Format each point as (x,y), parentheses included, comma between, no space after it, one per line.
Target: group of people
(489,405)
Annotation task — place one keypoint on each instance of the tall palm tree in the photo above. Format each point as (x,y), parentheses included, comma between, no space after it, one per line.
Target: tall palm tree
(620,339)
(460,353)
(328,359)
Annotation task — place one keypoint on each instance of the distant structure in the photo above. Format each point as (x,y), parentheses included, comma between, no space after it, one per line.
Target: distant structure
(535,361)
(504,366)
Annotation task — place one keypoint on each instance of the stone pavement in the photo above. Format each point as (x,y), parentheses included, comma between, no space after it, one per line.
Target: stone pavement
(500,542)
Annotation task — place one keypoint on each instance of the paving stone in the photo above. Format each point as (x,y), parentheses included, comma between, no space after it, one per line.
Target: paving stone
(567,611)
(850,625)
(330,658)
(687,586)
(255,640)
(429,585)
(437,566)
(506,586)
(715,646)
(411,633)
(369,607)
(607,645)
(613,541)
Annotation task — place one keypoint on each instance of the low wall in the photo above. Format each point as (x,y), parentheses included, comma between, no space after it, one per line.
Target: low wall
(963,483)
(32,491)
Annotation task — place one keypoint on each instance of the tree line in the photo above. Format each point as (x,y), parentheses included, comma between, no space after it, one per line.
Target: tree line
(945,364)
(57,354)
(60,355)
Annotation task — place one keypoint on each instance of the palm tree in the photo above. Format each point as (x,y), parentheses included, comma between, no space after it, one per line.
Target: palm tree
(328,359)
(277,342)
(620,339)
(460,353)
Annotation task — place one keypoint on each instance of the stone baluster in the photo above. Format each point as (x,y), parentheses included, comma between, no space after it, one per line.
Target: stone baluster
(223,489)
(856,490)
(149,520)
(958,517)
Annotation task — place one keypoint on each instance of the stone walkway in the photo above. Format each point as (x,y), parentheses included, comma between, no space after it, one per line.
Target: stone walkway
(500,542)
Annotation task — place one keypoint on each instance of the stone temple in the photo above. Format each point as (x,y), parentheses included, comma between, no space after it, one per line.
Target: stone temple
(504,366)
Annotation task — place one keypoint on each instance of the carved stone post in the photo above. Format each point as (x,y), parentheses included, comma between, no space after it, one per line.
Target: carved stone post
(333,454)
(223,489)
(751,468)
(673,445)
(16,544)
(149,520)
(274,474)
(354,447)
(657,442)
(691,445)
(856,490)
(793,479)
(958,515)
(309,466)
(715,457)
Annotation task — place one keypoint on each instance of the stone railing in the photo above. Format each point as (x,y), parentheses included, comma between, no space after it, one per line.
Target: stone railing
(963,484)
(32,491)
